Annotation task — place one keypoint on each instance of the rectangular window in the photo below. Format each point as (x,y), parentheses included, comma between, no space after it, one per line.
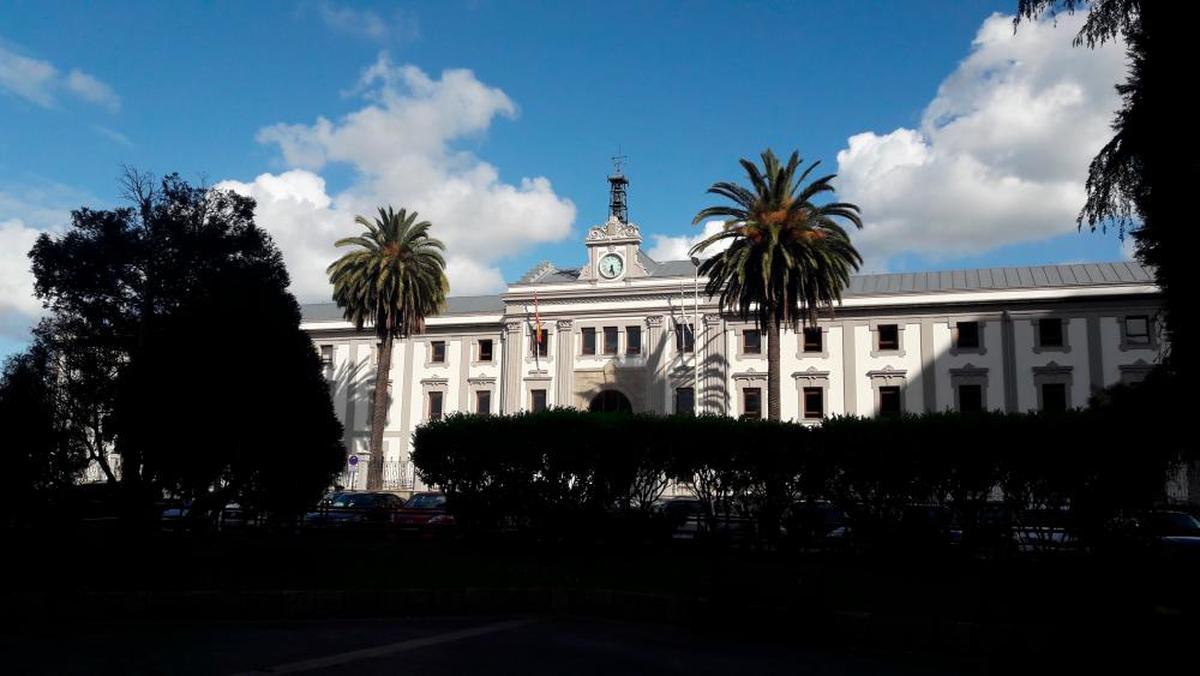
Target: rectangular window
(889,400)
(684,339)
(968,335)
(1054,397)
(485,350)
(483,402)
(437,351)
(610,339)
(435,405)
(633,340)
(970,398)
(589,340)
(751,341)
(685,401)
(539,343)
(813,337)
(889,337)
(1050,332)
(537,400)
(814,402)
(1137,330)
(751,403)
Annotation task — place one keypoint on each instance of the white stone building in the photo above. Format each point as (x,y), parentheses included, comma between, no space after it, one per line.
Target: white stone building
(618,333)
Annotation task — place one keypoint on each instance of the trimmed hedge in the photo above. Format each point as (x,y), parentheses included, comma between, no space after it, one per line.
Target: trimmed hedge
(564,473)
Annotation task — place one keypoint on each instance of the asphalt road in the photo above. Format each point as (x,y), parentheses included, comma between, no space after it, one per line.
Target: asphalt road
(464,645)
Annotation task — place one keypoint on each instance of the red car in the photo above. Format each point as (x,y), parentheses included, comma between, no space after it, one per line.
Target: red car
(424,514)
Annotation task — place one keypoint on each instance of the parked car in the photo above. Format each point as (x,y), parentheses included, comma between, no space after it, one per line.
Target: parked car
(1042,530)
(1170,530)
(234,517)
(682,516)
(687,521)
(816,523)
(174,516)
(424,515)
(929,525)
(365,509)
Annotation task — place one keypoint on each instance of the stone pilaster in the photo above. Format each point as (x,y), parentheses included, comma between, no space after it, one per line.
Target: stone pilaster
(714,368)
(564,385)
(849,370)
(513,357)
(656,353)
(1008,351)
(928,371)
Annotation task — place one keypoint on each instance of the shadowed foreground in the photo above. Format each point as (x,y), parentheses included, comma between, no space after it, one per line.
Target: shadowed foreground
(455,645)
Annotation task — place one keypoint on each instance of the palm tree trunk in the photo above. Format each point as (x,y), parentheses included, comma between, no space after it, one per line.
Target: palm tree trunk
(379,406)
(773,408)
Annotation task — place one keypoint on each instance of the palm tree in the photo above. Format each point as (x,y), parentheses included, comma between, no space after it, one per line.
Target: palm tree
(787,257)
(394,279)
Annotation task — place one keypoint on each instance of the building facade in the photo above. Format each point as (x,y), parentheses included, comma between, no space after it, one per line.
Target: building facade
(625,332)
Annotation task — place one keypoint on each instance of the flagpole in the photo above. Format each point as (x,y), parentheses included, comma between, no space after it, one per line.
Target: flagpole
(537,334)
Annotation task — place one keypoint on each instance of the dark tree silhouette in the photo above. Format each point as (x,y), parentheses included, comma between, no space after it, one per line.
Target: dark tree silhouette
(139,287)
(1142,181)
(227,402)
(34,449)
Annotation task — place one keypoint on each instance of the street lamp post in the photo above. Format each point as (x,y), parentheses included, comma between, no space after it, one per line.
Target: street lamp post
(695,334)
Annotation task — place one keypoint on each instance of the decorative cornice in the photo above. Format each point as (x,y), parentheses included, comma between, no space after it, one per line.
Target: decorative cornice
(614,229)
(811,374)
(1053,369)
(968,370)
(887,374)
(589,296)
(749,375)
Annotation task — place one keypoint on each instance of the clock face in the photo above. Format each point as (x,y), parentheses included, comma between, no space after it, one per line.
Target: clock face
(611,266)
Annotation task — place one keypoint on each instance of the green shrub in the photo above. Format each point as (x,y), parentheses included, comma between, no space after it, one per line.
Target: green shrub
(564,473)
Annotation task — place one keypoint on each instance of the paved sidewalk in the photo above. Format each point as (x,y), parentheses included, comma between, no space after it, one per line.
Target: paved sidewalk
(418,645)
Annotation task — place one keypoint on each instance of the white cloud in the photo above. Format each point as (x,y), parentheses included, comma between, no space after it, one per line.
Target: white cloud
(113,135)
(26,211)
(39,82)
(401,145)
(92,90)
(366,23)
(19,308)
(31,79)
(668,248)
(1002,151)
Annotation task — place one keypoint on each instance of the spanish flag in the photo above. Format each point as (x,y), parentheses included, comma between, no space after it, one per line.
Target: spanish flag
(537,320)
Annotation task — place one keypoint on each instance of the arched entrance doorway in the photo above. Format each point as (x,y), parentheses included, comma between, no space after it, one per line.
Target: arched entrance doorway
(610,401)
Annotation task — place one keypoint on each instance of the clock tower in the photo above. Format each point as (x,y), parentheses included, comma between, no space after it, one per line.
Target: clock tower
(613,246)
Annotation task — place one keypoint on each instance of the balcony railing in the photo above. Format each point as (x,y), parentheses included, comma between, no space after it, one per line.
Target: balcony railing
(398,475)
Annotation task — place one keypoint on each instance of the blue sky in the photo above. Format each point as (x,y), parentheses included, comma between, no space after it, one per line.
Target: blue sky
(970,143)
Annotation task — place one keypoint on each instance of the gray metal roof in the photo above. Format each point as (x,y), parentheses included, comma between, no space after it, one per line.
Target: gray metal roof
(981,279)
(455,305)
(1023,277)
(992,279)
